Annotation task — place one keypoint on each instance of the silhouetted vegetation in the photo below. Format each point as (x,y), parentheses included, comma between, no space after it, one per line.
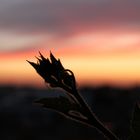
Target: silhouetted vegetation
(72,106)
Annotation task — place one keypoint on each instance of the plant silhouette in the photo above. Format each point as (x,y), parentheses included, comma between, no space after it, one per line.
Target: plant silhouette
(72,106)
(135,124)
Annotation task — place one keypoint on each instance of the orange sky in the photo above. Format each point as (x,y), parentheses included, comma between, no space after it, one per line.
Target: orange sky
(98,40)
(95,58)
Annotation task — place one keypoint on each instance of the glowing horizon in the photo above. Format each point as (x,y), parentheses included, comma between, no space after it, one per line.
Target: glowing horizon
(114,66)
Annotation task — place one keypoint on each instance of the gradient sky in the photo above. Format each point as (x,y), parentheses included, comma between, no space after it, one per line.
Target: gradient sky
(98,40)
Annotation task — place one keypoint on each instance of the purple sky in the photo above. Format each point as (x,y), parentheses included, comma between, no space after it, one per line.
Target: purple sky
(63,15)
(63,18)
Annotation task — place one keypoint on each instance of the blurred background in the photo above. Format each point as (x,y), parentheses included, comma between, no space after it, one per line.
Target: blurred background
(98,40)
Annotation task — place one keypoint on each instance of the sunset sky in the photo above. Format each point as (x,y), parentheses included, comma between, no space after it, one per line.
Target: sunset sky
(99,40)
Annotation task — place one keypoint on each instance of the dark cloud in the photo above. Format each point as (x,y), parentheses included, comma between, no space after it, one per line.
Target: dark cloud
(64,16)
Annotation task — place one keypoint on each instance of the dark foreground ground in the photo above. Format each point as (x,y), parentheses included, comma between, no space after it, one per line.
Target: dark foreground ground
(20,119)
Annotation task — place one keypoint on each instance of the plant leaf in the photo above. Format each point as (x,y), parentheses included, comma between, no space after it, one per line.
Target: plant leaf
(53,59)
(60,104)
(34,65)
(136,124)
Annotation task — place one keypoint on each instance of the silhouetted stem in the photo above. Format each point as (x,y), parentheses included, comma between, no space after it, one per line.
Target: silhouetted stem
(92,119)
(85,109)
